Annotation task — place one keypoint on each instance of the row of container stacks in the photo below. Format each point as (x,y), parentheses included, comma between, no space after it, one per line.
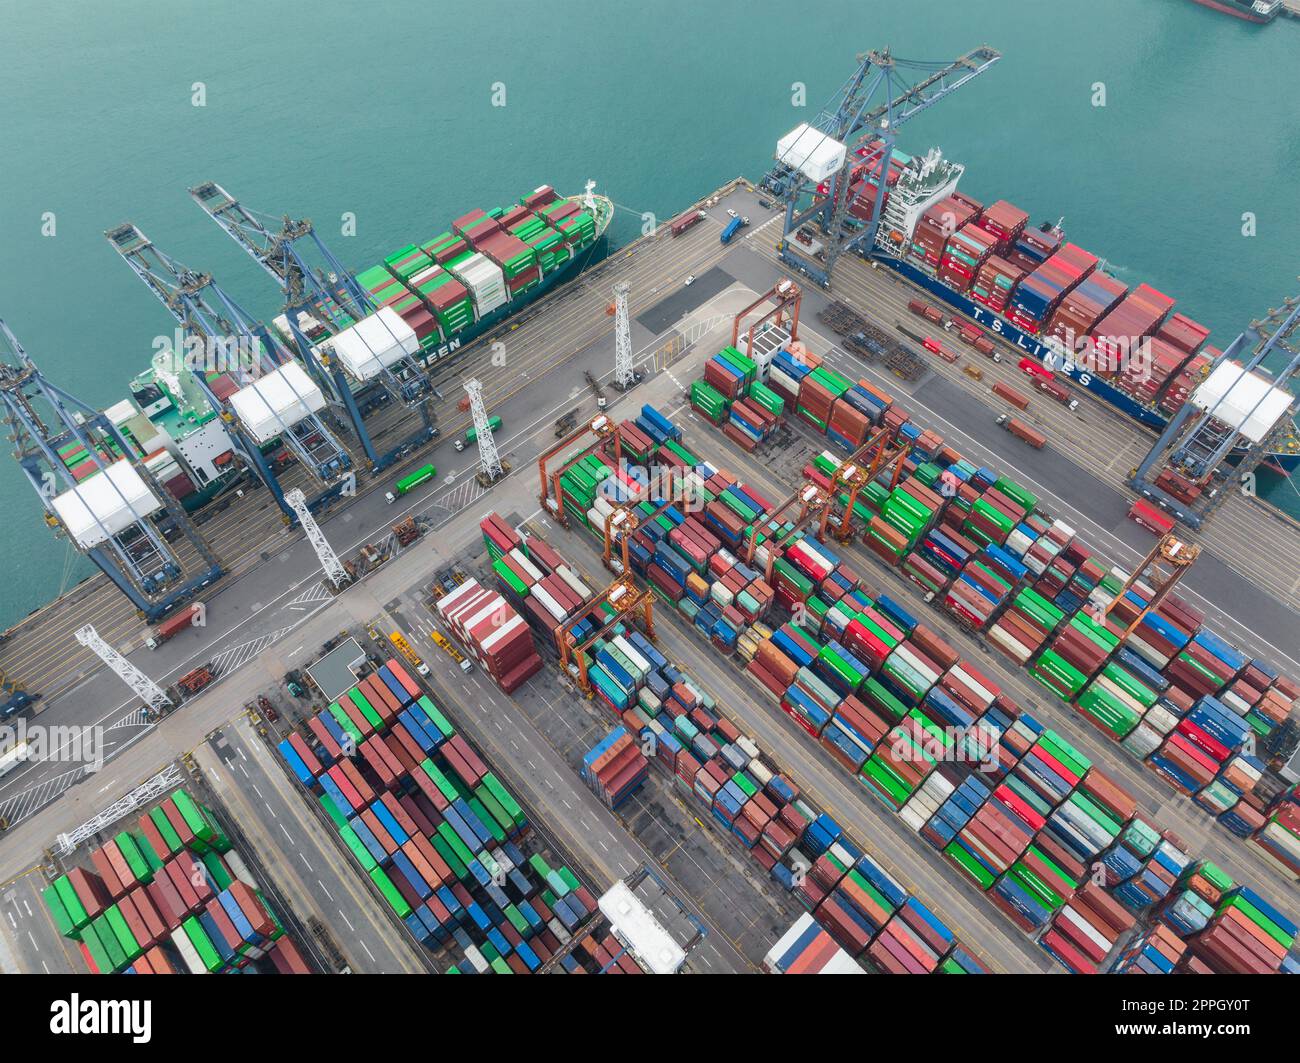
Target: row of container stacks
(441,839)
(1052,289)
(977,542)
(484,261)
(669,720)
(491,629)
(614,768)
(599,952)
(806,948)
(171,897)
(981,534)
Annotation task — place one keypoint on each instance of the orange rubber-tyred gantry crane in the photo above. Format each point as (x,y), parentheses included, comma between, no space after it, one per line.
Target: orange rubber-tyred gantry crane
(787,297)
(1161,570)
(813,503)
(627,600)
(603,428)
(866,463)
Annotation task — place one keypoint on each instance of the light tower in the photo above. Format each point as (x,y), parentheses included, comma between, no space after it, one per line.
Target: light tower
(491,466)
(145,688)
(329,560)
(624,375)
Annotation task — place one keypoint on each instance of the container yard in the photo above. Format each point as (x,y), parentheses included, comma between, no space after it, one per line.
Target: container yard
(846,576)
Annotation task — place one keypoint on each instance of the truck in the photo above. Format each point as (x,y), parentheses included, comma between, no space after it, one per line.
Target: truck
(494,423)
(195,680)
(174,625)
(935,347)
(1057,390)
(13,758)
(925,310)
(410,482)
(730,230)
(445,644)
(1022,431)
(680,224)
(1146,515)
(404,648)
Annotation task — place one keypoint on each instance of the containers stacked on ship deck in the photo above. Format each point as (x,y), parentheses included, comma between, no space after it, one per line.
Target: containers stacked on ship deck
(1038,295)
(935,226)
(1138,314)
(964,255)
(487,258)
(1082,307)
(442,840)
(171,897)
(1006,222)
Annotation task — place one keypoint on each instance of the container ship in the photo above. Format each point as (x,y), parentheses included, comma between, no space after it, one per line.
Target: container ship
(1259,11)
(1051,298)
(449,290)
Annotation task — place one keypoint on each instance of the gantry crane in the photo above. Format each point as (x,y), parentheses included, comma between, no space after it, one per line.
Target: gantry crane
(787,297)
(274,398)
(1161,570)
(109,515)
(552,491)
(621,523)
(1240,413)
(862,119)
(813,504)
(627,600)
(876,454)
(327,307)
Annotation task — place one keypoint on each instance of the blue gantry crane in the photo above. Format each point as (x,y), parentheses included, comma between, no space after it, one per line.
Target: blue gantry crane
(322,303)
(862,118)
(1233,419)
(273,396)
(116,514)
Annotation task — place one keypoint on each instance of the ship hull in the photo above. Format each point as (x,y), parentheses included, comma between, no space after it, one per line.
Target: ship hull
(1031,346)
(1236,12)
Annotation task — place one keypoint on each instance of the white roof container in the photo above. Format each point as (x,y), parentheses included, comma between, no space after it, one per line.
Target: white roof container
(636,925)
(277,401)
(816,154)
(1242,400)
(105,504)
(375,343)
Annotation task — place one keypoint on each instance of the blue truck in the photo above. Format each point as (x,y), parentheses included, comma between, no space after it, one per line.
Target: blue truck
(732,228)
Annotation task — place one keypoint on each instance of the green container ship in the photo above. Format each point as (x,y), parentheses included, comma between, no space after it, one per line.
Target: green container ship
(449,289)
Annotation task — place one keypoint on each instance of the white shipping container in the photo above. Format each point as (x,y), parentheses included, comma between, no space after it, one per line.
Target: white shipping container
(189,954)
(570,577)
(549,603)
(523,561)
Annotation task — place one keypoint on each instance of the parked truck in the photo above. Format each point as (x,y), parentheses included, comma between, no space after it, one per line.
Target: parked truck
(1022,431)
(730,230)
